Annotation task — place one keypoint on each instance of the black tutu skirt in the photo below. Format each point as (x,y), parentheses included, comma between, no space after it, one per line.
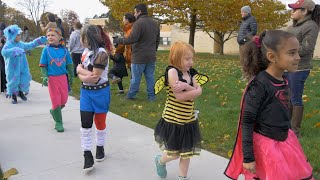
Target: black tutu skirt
(178,140)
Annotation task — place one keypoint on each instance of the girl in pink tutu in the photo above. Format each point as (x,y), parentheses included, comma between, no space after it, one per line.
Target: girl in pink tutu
(266,148)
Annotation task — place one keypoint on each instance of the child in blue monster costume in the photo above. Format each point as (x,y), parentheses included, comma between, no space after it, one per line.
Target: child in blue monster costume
(16,64)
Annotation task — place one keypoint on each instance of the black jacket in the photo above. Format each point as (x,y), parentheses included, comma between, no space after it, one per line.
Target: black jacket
(248,29)
(119,66)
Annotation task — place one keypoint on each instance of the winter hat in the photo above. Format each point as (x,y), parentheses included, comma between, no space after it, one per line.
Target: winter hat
(11,32)
(305,4)
(246,9)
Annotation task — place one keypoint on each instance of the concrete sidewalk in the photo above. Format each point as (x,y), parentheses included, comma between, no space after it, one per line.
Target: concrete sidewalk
(29,143)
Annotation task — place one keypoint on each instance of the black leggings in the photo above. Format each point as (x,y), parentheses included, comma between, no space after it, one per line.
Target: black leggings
(120,86)
(86,119)
(111,74)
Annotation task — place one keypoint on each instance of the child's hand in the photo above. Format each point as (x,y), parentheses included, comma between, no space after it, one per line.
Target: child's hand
(16,51)
(91,78)
(180,86)
(251,167)
(43,39)
(79,68)
(45,81)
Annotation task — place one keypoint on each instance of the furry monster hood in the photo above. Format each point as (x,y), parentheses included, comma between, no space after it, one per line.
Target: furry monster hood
(11,32)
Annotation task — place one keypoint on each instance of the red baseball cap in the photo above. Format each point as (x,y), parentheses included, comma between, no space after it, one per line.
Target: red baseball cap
(306,4)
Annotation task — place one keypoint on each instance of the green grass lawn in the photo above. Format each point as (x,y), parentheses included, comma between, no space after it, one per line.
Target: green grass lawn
(218,104)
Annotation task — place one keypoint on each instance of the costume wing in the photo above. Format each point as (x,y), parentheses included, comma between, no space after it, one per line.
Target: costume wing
(201,79)
(159,85)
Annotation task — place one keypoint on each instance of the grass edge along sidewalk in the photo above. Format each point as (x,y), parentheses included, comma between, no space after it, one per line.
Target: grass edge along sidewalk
(218,104)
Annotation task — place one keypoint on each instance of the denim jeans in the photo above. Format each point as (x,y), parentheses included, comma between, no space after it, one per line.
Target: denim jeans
(296,84)
(136,73)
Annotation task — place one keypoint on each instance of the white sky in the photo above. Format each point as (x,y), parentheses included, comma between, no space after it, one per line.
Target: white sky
(293,1)
(84,8)
(87,8)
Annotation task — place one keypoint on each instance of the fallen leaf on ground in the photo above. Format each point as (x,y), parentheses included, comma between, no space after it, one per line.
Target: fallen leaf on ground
(10,172)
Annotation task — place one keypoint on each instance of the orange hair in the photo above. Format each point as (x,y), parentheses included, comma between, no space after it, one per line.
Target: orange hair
(177,50)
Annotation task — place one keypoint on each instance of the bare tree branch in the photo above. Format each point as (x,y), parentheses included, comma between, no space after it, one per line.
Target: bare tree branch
(34,8)
(211,36)
(230,37)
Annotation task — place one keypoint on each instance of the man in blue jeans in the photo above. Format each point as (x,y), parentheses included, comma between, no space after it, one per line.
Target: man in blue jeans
(145,38)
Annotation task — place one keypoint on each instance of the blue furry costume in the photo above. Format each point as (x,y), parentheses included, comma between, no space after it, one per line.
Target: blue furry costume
(16,64)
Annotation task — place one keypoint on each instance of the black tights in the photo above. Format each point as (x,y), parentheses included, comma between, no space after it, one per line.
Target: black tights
(86,119)
(120,86)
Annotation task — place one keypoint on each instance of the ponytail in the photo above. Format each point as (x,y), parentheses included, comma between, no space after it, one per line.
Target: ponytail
(315,15)
(252,59)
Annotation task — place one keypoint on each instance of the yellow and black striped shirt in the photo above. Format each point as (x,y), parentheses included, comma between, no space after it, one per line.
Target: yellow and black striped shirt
(178,112)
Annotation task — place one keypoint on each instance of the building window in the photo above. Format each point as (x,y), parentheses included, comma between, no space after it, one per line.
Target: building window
(165,41)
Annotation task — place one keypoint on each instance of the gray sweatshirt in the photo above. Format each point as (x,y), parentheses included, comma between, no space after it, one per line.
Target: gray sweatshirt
(306,31)
(74,42)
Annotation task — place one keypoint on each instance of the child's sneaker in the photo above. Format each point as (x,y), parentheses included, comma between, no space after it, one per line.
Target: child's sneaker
(88,161)
(182,178)
(161,169)
(121,92)
(14,99)
(22,96)
(100,154)
(115,79)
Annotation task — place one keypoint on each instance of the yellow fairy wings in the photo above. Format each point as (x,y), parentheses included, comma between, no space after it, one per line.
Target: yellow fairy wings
(160,83)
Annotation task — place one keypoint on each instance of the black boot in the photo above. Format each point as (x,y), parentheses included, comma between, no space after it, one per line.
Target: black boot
(22,96)
(14,99)
(100,153)
(88,161)
(297,116)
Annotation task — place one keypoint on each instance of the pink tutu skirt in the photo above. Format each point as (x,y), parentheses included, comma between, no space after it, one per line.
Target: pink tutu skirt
(279,160)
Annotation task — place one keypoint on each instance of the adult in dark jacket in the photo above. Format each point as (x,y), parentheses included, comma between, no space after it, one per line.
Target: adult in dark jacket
(248,27)
(306,20)
(145,37)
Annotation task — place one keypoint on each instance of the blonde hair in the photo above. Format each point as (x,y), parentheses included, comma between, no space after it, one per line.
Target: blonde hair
(177,50)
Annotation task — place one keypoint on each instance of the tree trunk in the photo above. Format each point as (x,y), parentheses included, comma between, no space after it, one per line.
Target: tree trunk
(38,29)
(219,43)
(222,48)
(193,24)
